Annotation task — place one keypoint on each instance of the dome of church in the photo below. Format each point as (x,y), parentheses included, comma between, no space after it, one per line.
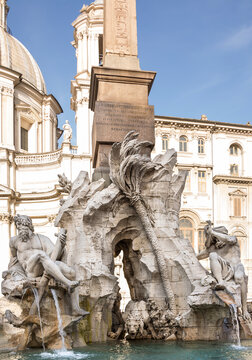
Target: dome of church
(15,56)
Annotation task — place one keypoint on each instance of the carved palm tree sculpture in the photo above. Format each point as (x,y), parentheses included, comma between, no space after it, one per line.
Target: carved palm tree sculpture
(129,163)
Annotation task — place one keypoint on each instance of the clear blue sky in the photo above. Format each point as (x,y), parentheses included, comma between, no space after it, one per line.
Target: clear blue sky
(200,49)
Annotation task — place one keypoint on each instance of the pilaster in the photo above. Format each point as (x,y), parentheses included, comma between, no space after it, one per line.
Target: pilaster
(6,116)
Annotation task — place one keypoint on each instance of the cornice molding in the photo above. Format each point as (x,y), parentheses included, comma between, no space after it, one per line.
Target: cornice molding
(191,166)
(10,75)
(225,179)
(105,74)
(237,193)
(6,192)
(196,124)
(38,196)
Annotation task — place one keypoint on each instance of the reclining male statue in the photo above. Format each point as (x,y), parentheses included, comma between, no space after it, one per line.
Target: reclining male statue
(31,254)
(225,262)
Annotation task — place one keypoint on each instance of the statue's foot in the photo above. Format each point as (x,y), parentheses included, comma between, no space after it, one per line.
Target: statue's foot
(29,283)
(246,316)
(73,285)
(220,286)
(113,335)
(11,318)
(80,312)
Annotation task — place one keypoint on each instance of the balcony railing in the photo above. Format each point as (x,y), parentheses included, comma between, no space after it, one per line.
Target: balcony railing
(74,150)
(36,159)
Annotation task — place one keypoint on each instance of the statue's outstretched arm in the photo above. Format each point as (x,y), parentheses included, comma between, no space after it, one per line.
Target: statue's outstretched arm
(224,238)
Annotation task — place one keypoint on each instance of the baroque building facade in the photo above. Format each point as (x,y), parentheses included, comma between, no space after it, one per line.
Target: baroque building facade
(216,155)
(30,159)
(219,182)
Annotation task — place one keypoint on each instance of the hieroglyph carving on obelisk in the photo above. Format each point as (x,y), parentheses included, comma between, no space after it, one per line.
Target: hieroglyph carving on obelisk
(121,29)
(120,34)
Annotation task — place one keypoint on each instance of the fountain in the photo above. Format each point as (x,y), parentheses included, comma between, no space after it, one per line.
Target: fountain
(132,205)
(172,295)
(61,332)
(36,296)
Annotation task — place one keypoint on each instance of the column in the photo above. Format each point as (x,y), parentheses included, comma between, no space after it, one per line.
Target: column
(89,52)
(7,117)
(84,53)
(47,130)
(5,222)
(83,128)
(95,50)
(79,51)
(1,140)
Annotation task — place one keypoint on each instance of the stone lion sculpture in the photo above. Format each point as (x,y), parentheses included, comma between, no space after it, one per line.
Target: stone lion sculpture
(137,321)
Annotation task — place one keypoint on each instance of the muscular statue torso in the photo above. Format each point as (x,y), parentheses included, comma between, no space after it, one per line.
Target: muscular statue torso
(24,250)
(224,254)
(229,252)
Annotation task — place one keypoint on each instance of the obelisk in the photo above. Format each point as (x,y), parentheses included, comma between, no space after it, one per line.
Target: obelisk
(120,35)
(119,89)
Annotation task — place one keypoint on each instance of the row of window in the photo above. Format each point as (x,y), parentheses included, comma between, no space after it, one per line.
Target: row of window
(201,182)
(236,208)
(234,149)
(234,170)
(183,144)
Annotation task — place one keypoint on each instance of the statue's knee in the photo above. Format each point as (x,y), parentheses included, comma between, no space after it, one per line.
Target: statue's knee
(239,278)
(72,274)
(213,256)
(42,255)
(240,275)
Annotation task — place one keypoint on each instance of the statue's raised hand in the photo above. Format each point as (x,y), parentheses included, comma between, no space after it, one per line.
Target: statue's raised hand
(62,238)
(219,244)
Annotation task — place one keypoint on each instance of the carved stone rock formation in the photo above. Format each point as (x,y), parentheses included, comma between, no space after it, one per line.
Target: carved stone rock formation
(36,264)
(139,214)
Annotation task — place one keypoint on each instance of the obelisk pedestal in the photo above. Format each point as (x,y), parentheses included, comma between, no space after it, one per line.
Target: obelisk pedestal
(119,89)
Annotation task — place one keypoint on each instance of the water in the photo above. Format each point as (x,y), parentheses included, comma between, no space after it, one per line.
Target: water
(235,322)
(144,350)
(36,296)
(60,326)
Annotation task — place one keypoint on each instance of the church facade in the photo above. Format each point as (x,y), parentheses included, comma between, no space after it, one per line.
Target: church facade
(216,155)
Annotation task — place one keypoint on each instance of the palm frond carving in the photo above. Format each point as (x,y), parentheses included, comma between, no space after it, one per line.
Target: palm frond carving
(129,163)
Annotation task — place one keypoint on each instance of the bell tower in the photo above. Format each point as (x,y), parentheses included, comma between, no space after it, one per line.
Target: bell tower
(88,34)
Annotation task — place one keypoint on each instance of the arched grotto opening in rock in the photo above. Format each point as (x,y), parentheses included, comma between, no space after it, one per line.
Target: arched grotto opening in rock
(128,269)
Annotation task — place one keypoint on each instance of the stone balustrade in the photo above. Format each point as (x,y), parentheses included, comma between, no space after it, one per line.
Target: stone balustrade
(36,159)
(74,150)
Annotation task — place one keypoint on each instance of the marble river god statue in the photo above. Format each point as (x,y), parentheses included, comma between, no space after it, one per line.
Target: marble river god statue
(223,251)
(35,262)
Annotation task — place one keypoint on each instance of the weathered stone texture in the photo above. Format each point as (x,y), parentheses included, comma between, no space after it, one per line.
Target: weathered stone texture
(101,225)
